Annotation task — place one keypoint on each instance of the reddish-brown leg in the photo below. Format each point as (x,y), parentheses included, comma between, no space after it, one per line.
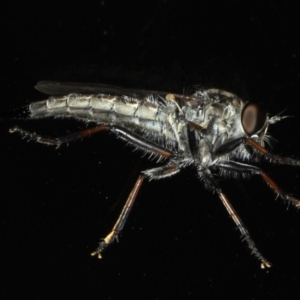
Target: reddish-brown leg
(113,235)
(59,140)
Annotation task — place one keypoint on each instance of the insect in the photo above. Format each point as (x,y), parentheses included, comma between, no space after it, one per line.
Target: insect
(211,130)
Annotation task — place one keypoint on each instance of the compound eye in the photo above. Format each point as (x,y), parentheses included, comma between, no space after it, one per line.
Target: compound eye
(253,118)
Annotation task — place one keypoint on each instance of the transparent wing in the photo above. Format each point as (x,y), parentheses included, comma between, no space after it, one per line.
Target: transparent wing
(54,88)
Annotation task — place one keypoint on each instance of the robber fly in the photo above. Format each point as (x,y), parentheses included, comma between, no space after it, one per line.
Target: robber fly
(211,130)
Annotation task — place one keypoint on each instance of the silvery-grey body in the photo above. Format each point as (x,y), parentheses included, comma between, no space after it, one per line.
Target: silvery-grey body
(162,119)
(210,129)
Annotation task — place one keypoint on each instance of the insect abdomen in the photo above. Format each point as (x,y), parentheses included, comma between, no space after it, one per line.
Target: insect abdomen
(148,114)
(91,105)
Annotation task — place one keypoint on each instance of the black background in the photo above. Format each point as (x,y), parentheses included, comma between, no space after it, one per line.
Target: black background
(179,241)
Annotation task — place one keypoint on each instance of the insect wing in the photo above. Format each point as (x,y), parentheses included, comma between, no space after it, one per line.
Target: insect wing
(62,88)
(55,88)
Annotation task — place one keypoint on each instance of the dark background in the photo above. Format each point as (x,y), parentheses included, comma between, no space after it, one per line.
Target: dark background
(179,240)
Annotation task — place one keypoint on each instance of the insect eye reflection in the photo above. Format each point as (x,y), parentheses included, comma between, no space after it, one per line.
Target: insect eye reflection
(253,118)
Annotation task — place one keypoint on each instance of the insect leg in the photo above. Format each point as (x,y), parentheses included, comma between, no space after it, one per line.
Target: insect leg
(244,168)
(211,182)
(159,172)
(113,235)
(273,158)
(228,147)
(123,133)
(140,142)
(59,140)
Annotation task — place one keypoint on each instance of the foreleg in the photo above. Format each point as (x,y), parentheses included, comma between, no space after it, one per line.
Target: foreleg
(272,157)
(245,168)
(234,144)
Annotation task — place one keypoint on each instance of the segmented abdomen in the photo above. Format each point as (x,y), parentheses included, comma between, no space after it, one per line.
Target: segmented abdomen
(149,116)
